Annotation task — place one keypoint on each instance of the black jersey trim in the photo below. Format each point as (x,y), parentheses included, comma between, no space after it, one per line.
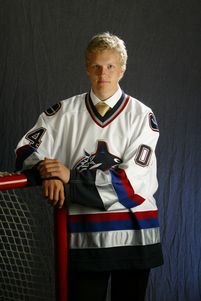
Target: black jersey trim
(118,258)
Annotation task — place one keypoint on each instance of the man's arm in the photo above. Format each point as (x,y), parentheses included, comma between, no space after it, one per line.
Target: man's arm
(31,154)
(54,175)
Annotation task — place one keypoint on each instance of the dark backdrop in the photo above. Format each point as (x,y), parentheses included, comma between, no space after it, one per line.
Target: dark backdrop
(42,61)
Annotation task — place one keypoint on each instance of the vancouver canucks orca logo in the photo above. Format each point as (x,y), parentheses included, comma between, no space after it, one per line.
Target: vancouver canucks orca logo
(101,159)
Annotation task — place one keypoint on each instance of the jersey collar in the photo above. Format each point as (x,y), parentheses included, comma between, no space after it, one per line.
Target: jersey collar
(111,102)
(103,121)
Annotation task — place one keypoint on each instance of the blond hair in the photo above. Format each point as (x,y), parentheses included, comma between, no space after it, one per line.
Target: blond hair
(107,41)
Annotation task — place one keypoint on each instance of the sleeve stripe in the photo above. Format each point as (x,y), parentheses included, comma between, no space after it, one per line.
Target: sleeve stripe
(23,153)
(124,190)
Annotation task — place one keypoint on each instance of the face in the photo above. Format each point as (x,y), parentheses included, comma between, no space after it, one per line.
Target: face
(104,70)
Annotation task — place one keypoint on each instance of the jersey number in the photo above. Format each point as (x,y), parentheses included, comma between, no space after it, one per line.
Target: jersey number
(35,137)
(143,155)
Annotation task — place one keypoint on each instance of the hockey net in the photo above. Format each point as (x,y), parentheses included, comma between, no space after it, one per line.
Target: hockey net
(27,242)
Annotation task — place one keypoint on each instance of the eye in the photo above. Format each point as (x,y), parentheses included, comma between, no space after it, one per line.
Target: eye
(95,66)
(110,67)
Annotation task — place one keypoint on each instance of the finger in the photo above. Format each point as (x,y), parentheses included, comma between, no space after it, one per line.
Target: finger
(51,170)
(48,192)
(48,166)
(61,198)
(45,189)
(52,195)
(55,196)
(47,162)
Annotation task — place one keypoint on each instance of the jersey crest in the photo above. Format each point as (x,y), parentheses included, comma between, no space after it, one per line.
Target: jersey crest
(53,110)
(101,159)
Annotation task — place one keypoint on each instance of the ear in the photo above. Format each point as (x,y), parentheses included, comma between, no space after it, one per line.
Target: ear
(87,69)
(122,73)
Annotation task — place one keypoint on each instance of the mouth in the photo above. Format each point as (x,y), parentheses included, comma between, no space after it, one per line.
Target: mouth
(102,81)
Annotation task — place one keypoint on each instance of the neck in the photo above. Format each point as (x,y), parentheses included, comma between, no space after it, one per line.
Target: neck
(104,96)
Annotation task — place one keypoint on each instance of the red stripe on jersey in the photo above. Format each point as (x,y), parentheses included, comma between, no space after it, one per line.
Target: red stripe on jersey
(101,217)
(146,214)
(112,216)
(129,189)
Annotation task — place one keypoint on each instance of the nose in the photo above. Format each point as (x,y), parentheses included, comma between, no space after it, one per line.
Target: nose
(102,70)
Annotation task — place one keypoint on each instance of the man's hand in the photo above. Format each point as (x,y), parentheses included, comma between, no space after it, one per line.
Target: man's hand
(54,191)
(50,168)
(54,175)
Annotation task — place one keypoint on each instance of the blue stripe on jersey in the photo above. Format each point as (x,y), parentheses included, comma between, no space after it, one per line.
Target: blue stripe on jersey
(113,225)
(121,191)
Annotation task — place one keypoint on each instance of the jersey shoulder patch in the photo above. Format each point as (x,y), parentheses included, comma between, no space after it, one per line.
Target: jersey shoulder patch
(153,123)
(53,109)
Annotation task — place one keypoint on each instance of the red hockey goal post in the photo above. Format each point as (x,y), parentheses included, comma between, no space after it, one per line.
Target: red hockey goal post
(33,245)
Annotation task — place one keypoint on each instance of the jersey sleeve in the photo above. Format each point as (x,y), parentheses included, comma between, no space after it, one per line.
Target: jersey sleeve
(130,183)
(30,149)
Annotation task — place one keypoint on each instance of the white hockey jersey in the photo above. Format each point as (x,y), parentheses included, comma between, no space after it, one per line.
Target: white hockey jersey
(113,175)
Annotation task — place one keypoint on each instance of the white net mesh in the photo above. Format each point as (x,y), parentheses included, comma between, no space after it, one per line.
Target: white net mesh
(26,246)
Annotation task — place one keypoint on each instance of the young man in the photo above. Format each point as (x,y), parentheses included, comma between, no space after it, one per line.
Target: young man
(106,163)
